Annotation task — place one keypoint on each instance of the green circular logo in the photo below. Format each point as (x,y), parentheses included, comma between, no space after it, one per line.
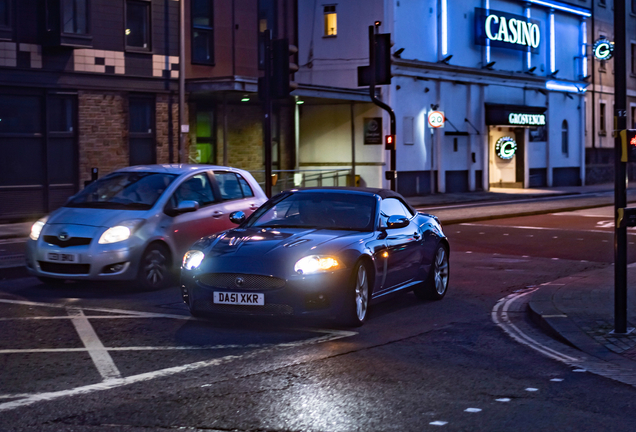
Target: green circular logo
(506,147)
(603,49)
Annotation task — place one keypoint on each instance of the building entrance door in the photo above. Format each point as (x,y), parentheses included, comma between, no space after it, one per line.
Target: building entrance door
(507,157)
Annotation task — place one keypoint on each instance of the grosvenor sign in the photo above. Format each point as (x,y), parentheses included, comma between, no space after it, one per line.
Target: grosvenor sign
(505,30)
(526,119)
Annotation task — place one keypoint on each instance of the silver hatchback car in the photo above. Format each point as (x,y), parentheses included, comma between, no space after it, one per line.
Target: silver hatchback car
(136,223)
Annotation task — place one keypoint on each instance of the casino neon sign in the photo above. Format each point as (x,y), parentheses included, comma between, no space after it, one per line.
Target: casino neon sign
(506,30)
(506,147)
(513,31)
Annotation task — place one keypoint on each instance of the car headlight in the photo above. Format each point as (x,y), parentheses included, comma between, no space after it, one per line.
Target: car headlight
(315,264)
(192,259)
(36,229)
(118,233)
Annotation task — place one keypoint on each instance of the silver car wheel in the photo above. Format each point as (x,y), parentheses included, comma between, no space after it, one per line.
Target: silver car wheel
(441,271)
(362,292)
(154,267)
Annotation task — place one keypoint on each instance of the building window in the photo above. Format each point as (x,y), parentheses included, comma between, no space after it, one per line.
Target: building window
(633,45)
(202,31)
(602,118)
(565,139)
(75,16)
(138,24)
(602,3)
(141,130)
(633,6)
(331,20)
(4,13)
(633,117)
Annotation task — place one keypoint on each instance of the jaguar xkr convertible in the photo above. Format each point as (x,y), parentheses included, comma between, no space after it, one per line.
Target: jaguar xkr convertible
(318,252)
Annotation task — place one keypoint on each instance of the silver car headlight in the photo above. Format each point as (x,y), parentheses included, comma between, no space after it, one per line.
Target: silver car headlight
(120,232)
(36,229)
(192,259)
(316,264)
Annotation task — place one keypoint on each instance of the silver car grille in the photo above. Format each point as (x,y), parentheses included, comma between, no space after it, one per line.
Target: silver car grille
(238,281)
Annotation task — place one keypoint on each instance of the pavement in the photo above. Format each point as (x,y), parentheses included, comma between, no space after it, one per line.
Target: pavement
(577,310)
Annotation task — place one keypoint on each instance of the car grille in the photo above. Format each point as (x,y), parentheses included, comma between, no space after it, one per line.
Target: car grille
(268,309)
(73,241)
(250,282)
(71,269)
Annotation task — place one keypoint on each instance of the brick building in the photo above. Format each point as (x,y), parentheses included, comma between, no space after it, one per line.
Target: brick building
(83,84)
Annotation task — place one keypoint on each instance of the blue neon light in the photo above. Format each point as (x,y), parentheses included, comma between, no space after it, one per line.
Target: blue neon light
(564,86)
(562,7)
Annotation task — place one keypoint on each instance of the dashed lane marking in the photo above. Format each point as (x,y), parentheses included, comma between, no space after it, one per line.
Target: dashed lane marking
(539,228)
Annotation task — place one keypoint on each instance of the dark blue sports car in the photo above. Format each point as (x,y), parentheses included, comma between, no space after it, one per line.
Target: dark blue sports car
(318,251)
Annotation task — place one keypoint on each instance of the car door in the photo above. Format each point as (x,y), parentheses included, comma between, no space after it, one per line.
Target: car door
(402,245)
(236,195)
(186,228)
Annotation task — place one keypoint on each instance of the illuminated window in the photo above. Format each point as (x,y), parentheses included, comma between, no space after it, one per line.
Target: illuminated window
(331,20)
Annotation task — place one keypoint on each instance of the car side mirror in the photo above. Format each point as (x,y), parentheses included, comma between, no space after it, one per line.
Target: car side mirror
(187,207)
(397,221)
(237,217)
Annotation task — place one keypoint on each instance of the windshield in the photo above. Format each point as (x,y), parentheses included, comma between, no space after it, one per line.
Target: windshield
(123,190)
(321,210)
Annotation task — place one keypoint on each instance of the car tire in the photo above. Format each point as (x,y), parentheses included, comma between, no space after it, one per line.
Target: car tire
(356,306)
(155,269)
(436,284)
(49,281)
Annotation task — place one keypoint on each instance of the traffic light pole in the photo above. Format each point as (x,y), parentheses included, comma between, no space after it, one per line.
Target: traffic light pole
(378,102)
(267,120)
(620,189)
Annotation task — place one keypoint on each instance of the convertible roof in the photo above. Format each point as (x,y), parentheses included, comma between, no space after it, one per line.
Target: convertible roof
(382,193)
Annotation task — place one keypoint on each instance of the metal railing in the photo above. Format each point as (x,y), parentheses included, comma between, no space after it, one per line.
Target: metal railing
(288,179)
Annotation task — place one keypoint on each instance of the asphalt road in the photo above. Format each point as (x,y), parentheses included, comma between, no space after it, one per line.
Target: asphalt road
(105,358)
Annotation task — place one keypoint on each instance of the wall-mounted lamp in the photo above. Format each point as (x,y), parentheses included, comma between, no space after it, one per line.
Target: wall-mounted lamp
(531,70)
(398,53)
(434,107)
(489,65)
(553,74)
(446,59)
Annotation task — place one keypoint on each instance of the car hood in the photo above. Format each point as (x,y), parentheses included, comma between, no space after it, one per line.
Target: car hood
(94,217)
(278,242)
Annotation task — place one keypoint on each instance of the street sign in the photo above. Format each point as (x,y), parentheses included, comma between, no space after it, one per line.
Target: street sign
(436,119)
(603,49)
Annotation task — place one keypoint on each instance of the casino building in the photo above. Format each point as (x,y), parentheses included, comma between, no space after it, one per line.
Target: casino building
(509,77)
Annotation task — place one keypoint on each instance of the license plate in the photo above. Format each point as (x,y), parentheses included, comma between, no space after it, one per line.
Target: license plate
(244,299)
(61,257)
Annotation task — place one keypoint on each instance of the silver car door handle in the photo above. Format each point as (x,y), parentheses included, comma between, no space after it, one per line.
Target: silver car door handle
(217,214)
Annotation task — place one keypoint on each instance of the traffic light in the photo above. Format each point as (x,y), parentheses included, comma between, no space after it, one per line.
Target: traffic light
(628,141)
(389,142)
(282,68)
(382,62)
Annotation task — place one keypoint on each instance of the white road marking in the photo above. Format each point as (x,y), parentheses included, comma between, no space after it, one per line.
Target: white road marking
(102,359)
(556,379)
(538,228)
(532,389)
(438,423)
(120,382)
(107,368)
(500,317)
(503,400)
(472,410)
(132,348)
(579,370)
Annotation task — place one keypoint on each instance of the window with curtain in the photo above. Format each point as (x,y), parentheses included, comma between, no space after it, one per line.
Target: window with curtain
(331,20)
(141,137)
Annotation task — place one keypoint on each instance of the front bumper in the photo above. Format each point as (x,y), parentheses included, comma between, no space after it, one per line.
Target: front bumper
(312,295)
(116,261)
